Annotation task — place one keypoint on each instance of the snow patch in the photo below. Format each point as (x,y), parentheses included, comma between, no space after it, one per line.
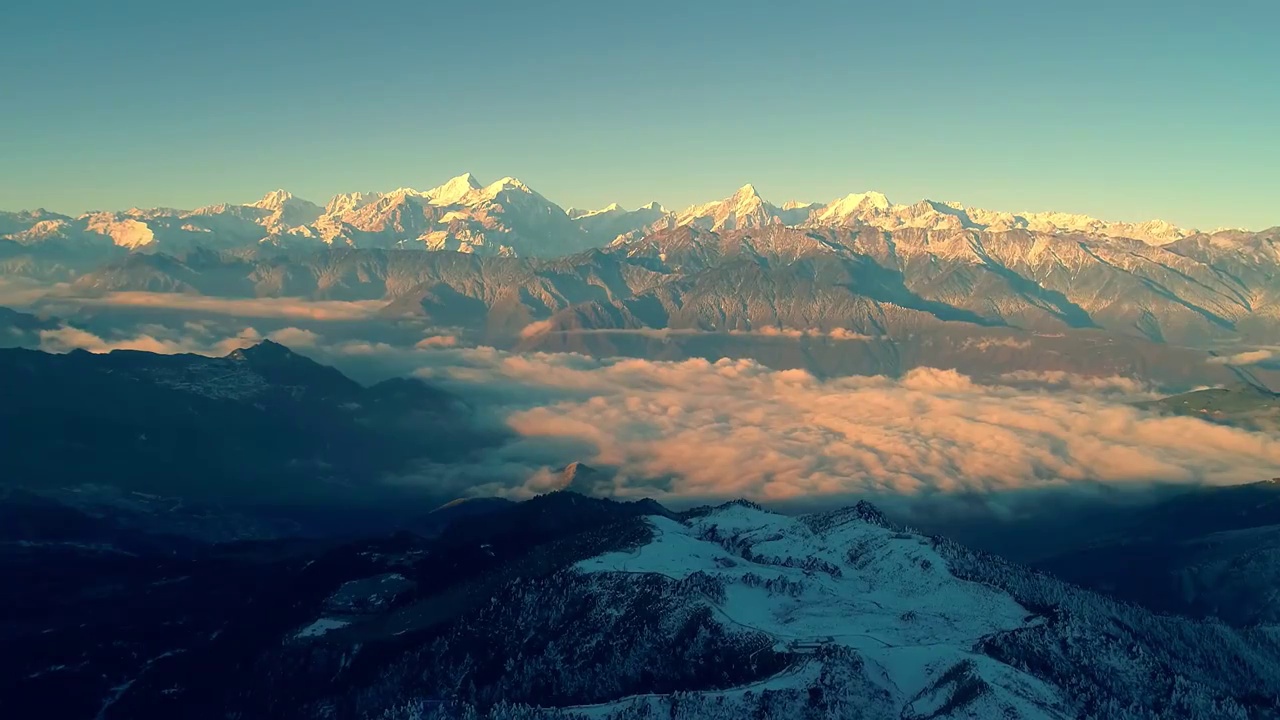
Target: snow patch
(321,627)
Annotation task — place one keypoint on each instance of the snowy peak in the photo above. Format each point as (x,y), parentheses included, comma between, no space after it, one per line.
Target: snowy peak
(796,212)
(582,478)
(874,209)
(286,211)
(610,209)
(455,191)
(1153,232)
(505,184)
(744,209)
(466,179)
(870,199)
(274,200)
(747,200)
(127,233)
(800,205)
(506,217)
(747,209)
(404,192)
(572,469)
(348,202)
(613,222)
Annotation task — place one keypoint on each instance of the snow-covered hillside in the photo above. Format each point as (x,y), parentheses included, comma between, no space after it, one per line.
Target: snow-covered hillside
(566,607)
(846,583)
(844,615)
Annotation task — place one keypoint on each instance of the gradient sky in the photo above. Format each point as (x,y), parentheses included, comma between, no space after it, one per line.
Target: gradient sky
(1124,110)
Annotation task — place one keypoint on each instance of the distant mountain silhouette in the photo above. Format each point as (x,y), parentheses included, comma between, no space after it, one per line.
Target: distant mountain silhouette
(263,424)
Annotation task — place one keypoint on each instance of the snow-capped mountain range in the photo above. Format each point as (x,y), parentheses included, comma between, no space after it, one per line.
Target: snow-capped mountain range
(507,217)
(870,277)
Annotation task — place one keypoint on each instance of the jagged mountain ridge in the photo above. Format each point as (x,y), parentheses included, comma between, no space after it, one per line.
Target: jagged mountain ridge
(569,607)
(1020,278)
(857,285)
(503,218)
(836,275)
(1039,283)
(508,217)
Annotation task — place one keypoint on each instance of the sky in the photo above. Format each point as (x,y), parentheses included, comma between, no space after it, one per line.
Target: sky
(1124,110)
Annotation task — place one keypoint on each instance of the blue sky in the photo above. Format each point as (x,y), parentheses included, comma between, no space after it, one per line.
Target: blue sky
(1124,110)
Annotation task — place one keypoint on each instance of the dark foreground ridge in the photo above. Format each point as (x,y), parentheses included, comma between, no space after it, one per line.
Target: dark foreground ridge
(263,424)
(498,613)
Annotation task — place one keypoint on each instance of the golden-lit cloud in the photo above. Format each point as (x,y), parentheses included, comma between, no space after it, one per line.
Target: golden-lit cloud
(437,341)
(296,338)
(148,339)
(19,292)
(737,428)
(1248,357)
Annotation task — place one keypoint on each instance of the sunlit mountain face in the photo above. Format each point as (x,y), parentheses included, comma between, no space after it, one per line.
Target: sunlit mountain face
(859,285)
(507,217)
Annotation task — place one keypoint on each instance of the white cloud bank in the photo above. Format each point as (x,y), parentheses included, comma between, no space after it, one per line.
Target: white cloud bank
(735,428)
(153,339)
(739,429)
(1248,357)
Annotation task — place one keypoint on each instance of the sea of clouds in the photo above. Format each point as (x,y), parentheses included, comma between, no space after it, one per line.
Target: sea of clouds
(697,429)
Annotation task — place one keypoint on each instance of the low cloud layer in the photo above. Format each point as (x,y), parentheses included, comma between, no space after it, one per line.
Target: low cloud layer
(17,292)
(734,428)
(1108,385)
(739,429)
(366,360)
(153,339)
(1247,357)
